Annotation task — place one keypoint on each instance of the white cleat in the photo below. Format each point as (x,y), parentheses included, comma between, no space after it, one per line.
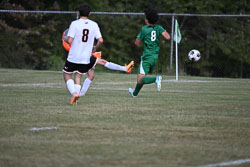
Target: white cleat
(131,91)
(158,82)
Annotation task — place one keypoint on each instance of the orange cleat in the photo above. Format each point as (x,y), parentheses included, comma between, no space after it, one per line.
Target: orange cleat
(130,66)
(75,97)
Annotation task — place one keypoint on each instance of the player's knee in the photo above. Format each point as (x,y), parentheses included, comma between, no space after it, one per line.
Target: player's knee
(139,78)
(91,77)
(67,77)
(102,62)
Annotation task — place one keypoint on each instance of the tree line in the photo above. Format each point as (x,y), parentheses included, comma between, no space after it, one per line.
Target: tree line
(33,41)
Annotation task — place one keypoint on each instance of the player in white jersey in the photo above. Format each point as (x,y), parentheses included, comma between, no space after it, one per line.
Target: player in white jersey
(81,36)
(84,31)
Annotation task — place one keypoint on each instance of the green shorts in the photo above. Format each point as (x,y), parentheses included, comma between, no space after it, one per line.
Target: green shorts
(147,64)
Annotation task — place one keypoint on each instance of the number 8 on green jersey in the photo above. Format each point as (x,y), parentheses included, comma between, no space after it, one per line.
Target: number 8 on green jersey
(150,36)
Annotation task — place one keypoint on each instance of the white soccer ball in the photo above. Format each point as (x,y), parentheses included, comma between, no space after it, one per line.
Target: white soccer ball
(194,55)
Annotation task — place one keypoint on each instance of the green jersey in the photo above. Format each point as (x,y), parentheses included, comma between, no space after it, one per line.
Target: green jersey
(150,36)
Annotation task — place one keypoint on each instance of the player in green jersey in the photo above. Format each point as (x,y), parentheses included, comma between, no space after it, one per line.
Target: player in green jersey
(149,35)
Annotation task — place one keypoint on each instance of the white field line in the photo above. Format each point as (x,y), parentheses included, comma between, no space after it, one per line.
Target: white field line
(45,85)
(179,81)
(114,83)
(61,84)
(229,163)
(172,91)
(43,128)
(195,81)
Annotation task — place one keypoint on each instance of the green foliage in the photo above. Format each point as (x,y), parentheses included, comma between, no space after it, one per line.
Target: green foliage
(54,63)
(34,40)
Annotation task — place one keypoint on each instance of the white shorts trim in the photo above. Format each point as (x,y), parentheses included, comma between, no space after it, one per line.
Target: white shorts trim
(141,69)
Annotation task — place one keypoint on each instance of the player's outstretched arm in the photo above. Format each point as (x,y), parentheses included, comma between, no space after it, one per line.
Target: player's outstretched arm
(99,42)
(165,35)
(137,42)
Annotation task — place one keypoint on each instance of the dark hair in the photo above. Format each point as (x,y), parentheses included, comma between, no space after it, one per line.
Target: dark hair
(151,15)
(84,9)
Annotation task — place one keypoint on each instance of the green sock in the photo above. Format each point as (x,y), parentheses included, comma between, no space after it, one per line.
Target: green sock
(137,89)
(148,80)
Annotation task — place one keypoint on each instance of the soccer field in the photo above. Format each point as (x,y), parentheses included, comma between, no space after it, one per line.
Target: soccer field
(196,121)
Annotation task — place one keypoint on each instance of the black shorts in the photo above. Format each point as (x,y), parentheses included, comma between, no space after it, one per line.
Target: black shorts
(70,68)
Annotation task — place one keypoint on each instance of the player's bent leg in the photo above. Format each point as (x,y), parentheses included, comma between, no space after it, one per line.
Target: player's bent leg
(77,79)
(137,89)
(101,62)
(138,86)
(71,86)
(87,82)
(139,78)
(67,76)
(113,66)
(77,88)
(117,67)
(148,80)
(91,74)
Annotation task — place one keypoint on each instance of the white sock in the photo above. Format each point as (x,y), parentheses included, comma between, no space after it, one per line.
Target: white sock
(85,86)
(113,66)
(71,86)
(77,88)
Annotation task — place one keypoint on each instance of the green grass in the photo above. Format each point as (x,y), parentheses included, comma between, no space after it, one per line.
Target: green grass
(196,121)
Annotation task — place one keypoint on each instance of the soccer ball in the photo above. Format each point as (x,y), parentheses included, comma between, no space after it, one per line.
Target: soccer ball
(194,55)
